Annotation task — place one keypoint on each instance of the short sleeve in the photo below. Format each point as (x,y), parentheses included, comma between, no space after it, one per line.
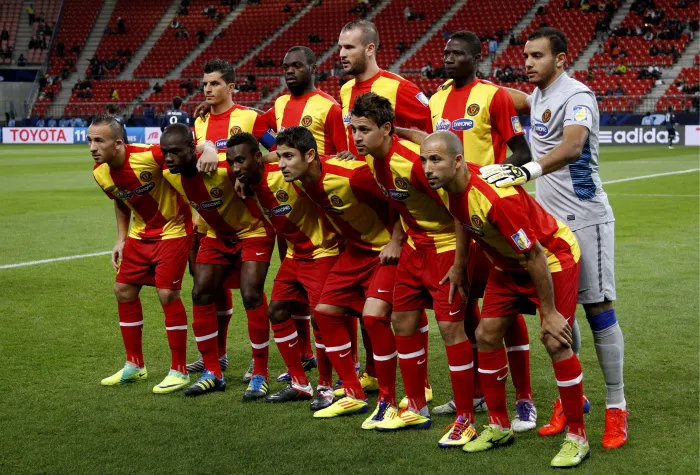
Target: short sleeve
(504,119)
(579,110)
(412,109)
(508,216)
(365,186)
(335,129)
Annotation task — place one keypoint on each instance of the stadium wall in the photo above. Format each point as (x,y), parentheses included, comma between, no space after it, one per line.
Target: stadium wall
(12,98)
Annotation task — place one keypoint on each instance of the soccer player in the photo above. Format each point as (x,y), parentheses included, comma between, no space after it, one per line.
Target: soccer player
(535,265)
(482,115)
(114,112)
(426,264)
(670,122)
(358,43)
(153,252)
(312,249)
(226,118)
(362,281)
(175,115)
(235,253)
(564,140)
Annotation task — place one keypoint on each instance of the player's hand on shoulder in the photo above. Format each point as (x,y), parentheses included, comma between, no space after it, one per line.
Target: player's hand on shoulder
(504,176)
(117,254)
(345,155)
(201,111)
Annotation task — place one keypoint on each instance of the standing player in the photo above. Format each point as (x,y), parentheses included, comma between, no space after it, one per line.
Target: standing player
(482,115)
(362,281)
(427,262)
(155,251)
(670,121)
(311,251)
(535,265)
(565,123)
(226,118)
(114,112)
(358,43)
(238,245)
(175,115)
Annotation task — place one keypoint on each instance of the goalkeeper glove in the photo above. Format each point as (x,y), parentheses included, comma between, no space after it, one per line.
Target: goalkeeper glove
(504,176)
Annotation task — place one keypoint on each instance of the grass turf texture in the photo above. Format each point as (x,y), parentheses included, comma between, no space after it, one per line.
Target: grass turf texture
(59,336)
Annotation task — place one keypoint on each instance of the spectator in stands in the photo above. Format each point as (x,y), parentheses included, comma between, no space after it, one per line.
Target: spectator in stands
(5,35)
(187,85)
(201,36)
(175,23)
(585,6)
(541,11)
(566,4)
(52,122)
(41,122)
(619,91)
(427,70)
(653,51)
(446,34)
(649,35)
(157,88)
(314,38)
(63,122)
(121,26)
(183,11)
(149,115)
(60,49)
(621,69)
(21,61)
(615,51)
(493,47)
(182,33)
(407,14)
(401,46)
(286,8)
(31,13)
(210,12)
(114,94)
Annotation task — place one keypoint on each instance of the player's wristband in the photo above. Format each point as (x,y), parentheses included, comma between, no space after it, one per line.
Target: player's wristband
(533,170)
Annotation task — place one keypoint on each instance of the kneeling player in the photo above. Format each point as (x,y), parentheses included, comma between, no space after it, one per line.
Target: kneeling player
(536,264)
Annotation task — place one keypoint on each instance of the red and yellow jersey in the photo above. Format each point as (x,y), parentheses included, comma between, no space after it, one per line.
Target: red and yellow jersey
(213,196)
(429,226)
(317,111)
(506,222)
(294,217)
(219,127)
(159,212)
(352,201)
(409,103)
(481,114)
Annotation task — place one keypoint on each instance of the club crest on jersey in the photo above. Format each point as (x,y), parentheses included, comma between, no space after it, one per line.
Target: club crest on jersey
(221,144)
(216,192)
(146,176)
(422,99)
(281,196)
(235,130)
(124,194)
(442,124)
(477,221)
(473,109)
(281,210)
(401,183)
(462,124)
(580,113)
(145,189)
(347,119)
(211,204)
(546,115)
(541,130)
(521,240)
(336,201)
(306,121)
(517,128)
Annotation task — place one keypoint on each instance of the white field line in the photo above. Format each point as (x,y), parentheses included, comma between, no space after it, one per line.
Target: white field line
(103,253)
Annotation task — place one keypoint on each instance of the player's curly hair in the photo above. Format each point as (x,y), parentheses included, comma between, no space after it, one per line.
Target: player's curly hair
(297,137)
(244,138)
(220,66)
(557,39)
(375,107)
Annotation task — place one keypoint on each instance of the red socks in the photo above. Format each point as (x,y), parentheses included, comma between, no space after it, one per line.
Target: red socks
(384,348)
(176,327)
(570,382)
(493,371)
(325,370)
(424,328)
(303,326)
(259,333)
(518,349)
(471,321)
(224,310)
(287,339)
(338,348)
(413,361)
(459,358)
(131,326)
(204,326)
(351,326)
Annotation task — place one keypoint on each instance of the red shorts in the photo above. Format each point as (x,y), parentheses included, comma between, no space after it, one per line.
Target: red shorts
(302,280)
(232,252)
(156,263)
(478,268)
(357,276)
(418,277)
(511,293)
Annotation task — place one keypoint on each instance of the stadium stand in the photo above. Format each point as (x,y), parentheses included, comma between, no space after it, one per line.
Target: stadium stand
(10,12)
(89,96)
(249,29)
(484,17)
(684,93)
(42,29)
(189,28)
(77,18)
(130,24)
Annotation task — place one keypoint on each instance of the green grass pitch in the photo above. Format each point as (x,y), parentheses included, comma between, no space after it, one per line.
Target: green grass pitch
(59,336)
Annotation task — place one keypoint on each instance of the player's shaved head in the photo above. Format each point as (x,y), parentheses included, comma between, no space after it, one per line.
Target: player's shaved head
(299,138)
(308,55)
(442,157)
(222,67)
(470,39)
(445,141)
(178,148)
(369,33)
(374,107)
(116,131)
(178,132)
